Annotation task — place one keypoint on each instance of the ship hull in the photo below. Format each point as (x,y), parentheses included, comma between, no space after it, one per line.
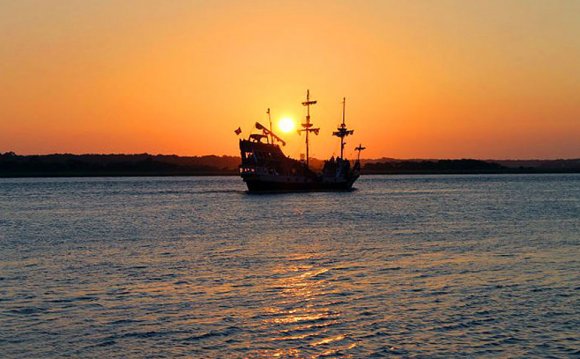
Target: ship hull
(265,168)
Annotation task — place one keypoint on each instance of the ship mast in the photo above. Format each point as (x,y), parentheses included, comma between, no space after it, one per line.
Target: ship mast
(307,126)
(359,149)
(342,131)
(270,119)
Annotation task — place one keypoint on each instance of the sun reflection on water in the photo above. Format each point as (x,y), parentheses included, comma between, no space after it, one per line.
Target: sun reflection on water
(303,321)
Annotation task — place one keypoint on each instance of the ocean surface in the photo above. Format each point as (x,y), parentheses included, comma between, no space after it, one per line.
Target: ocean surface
(405,266)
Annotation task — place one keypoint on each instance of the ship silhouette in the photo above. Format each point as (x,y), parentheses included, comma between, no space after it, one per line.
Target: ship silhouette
(265,168)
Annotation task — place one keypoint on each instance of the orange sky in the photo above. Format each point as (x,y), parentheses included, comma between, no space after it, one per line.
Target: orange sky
(423,79)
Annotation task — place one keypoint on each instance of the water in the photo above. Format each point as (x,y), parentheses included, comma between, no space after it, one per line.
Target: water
(411,266)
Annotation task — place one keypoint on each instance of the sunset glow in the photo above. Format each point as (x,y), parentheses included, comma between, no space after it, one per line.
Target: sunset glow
(444,79)
(286,125)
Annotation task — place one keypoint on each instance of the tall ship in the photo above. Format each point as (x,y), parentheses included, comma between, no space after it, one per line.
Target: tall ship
(265,168)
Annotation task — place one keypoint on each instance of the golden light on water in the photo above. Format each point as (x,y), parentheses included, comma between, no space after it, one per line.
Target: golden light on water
(286,125)
(300,318)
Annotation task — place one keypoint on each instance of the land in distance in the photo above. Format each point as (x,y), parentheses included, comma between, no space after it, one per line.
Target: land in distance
(97,165)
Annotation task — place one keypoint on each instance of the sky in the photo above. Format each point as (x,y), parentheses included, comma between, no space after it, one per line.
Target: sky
(422,79)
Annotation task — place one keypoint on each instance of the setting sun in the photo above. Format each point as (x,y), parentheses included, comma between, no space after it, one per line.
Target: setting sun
(286,125)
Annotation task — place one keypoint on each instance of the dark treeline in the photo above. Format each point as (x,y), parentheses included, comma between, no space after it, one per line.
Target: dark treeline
(61,165)
(438,166)
(390,166)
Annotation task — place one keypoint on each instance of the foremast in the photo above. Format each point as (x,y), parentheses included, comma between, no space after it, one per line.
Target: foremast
(270,119)
(307,126)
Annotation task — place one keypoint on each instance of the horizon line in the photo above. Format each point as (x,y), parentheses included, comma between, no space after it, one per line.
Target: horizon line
(362,159)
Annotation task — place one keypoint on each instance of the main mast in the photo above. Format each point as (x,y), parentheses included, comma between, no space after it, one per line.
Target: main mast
(342,131)
(307,126)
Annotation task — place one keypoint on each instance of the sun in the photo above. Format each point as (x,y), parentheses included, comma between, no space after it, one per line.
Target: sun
(286,125)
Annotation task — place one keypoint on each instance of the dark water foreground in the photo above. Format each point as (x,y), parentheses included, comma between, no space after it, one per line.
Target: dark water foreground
(422,266)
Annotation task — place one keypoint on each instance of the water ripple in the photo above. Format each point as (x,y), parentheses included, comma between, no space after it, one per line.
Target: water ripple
(412,266)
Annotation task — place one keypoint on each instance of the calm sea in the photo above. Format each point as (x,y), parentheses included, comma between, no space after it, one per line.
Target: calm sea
(410,266)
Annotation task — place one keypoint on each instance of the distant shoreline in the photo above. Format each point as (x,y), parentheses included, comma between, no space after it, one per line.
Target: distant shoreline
(127,175)
(113,174)
(144,165)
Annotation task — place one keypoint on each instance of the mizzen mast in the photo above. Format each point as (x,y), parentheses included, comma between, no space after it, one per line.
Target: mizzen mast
(342,131)
(307,126)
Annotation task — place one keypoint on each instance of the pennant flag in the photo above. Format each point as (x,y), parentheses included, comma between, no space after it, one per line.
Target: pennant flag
(238,131)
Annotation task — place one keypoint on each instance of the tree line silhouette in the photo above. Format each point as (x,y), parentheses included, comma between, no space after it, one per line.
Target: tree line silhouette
(115,165)
(60,165)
